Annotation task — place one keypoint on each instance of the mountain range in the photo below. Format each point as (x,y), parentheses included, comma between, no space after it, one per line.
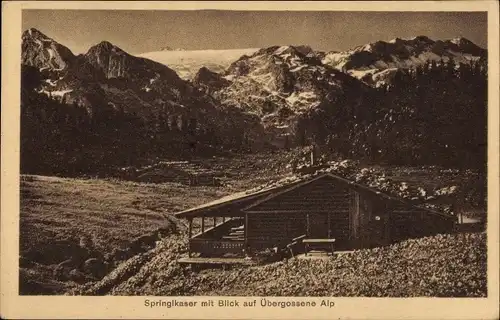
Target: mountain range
(256,80)
(107,77)
(104,67)
(278,81)
(247,97)
(374,63)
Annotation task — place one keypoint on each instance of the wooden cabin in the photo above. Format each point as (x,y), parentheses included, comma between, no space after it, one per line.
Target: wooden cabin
(325,209)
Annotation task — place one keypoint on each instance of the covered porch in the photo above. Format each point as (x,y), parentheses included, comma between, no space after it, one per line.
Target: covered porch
(222,237)
(243,235)
(219,229)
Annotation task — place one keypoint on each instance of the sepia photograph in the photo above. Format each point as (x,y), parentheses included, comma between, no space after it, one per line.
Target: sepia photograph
(253,153)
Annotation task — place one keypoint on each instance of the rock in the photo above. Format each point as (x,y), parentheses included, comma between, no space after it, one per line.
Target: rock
(24,262)
(121,254)
(55,252)
(95,267)
(142,244)
(77,276)
(61,270)
(59,273)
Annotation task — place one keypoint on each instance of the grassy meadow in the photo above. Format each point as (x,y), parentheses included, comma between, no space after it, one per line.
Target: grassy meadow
(57,214)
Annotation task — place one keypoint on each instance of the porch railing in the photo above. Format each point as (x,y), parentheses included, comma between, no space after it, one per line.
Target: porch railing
(212,247)
(220,229)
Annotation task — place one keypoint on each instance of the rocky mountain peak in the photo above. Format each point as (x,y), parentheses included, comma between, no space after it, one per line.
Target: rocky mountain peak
(301,51)
(464,45)
(42,52)
(396,40)
(278,78)
(291,56)
(108,58)
(305,49)
(460,41)
(104,48)
(422,39)
(375,63)
(205,74)
(34,33)
(209,82)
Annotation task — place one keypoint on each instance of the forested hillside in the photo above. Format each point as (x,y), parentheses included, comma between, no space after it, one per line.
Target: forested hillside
(434,114)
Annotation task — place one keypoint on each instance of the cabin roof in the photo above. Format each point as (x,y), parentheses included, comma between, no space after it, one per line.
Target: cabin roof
(250,194)
(250,198)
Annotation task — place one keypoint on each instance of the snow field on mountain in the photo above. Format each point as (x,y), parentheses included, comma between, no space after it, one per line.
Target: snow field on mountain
(187,62)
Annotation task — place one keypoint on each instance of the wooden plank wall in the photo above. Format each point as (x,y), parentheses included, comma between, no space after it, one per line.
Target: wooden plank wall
(284,217)
(376,221)
(320,195)
(339,225)
(364,218)
(412,222)
(268,229)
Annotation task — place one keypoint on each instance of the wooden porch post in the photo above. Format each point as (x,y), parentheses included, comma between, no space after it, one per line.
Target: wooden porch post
(388,227)
(329,225)
(308,228)
(355,219)
(215,221)
(245,232)
(461,214)
(202,224)
(190,235)
(190,227)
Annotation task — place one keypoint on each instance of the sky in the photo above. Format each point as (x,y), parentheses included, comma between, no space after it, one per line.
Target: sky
(144,31)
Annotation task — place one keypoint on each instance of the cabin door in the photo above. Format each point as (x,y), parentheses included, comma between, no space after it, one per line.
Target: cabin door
(317,225)
(372,222)
(376,223)
(368,221)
